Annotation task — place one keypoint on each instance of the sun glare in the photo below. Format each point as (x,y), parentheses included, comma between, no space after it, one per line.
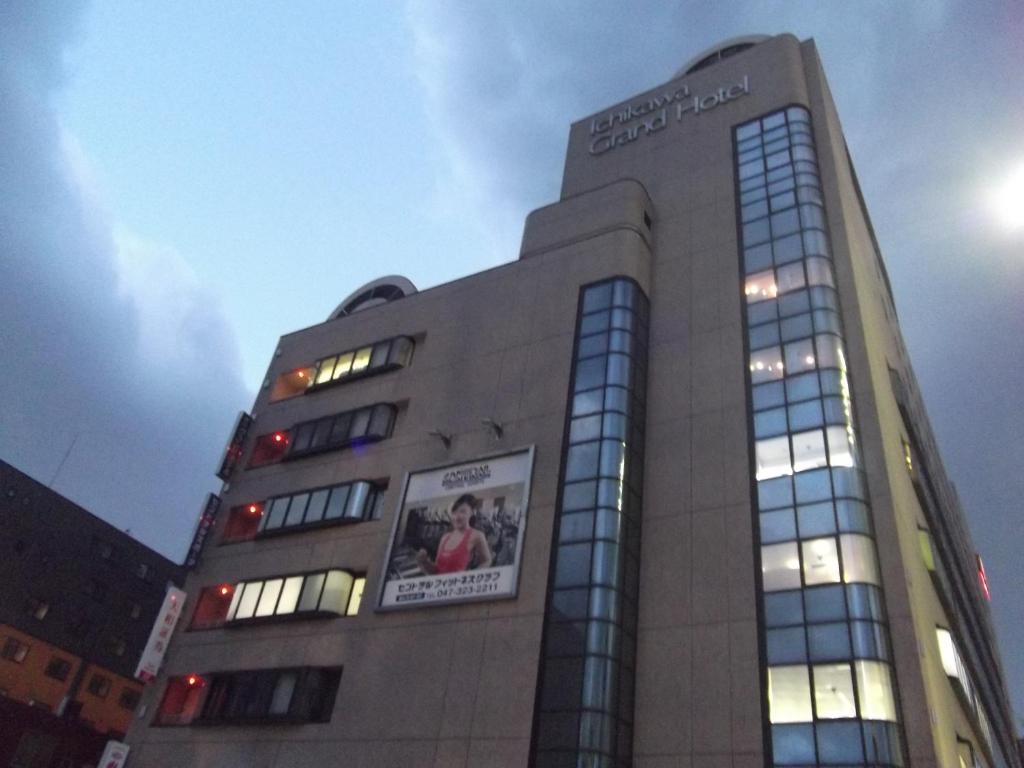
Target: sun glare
(1008,200)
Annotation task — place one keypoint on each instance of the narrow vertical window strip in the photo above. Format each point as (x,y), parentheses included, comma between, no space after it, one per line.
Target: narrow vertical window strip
(806,467)
(585,685)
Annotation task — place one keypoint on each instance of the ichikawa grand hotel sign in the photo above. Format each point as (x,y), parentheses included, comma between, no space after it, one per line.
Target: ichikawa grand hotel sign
(655,113)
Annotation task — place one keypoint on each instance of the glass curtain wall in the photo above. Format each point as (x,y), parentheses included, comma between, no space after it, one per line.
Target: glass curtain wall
(830,688)
(585,696)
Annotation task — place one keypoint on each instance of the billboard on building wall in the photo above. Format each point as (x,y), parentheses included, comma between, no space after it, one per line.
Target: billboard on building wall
(458,536)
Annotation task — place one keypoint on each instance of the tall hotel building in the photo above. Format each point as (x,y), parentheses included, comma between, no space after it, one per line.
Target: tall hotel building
(661,492)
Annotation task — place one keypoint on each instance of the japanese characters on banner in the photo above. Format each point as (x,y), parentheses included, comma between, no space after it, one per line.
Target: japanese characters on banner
(160,636)
(459,533)
(114,755)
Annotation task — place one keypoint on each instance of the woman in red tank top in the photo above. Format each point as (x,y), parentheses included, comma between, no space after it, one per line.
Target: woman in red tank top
(461,545)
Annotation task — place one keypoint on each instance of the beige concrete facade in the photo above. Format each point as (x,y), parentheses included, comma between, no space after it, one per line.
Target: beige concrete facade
(455,686)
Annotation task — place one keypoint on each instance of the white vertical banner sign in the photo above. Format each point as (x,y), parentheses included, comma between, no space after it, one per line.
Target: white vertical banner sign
(160,636)
(114,755)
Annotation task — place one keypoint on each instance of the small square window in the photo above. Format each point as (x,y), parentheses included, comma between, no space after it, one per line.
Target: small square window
(14,650)
(99,686)
(129,699)
(58,668)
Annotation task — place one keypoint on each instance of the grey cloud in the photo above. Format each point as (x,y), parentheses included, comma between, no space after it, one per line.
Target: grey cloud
(140,434)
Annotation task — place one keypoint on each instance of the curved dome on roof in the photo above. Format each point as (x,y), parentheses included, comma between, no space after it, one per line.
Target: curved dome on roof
(719,51)
(379,291)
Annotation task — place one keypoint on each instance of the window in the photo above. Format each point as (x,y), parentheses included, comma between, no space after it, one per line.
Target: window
(181,701)
(14,650)
(212,606)
(99,685)
(134,610)
(821,561)
(789,695)
(346,503)
(129,699)
(292,383)
(350,365)
(243,522)
(833,691)
(118,646)
(780,566)
(325,592)
(58,668)
(144,572)
(96,589)
(270,448)
(290,695)
(343,429)
(874,689)
(37,609)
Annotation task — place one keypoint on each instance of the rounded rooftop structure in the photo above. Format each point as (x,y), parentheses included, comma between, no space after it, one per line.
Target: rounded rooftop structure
(719,51)
(379,291)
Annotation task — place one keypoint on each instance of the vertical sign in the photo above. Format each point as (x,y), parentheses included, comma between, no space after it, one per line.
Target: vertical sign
(160,636)
(114,755)
(206,520)
(233,450)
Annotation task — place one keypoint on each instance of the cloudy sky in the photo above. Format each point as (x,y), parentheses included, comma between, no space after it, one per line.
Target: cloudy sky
(182,183)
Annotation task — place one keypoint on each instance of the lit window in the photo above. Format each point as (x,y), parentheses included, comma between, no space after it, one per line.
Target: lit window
(293,383)
(859,563)
(908,458)
(773,458)
(833,691)
(808,451)
(799,356)
(356,598)
(789,695)
(821,561)
(361,359)
(924,540)
(760,286)
(874,689)
(780,566)
(766,365)
(840,447)
(327,592)
(790,277)
(948,653)
(342,366)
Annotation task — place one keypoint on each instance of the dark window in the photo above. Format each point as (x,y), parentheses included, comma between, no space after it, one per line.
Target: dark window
(96,589)
(129,699)
(341,430)
(58,668)
(296,695)
(99,685)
